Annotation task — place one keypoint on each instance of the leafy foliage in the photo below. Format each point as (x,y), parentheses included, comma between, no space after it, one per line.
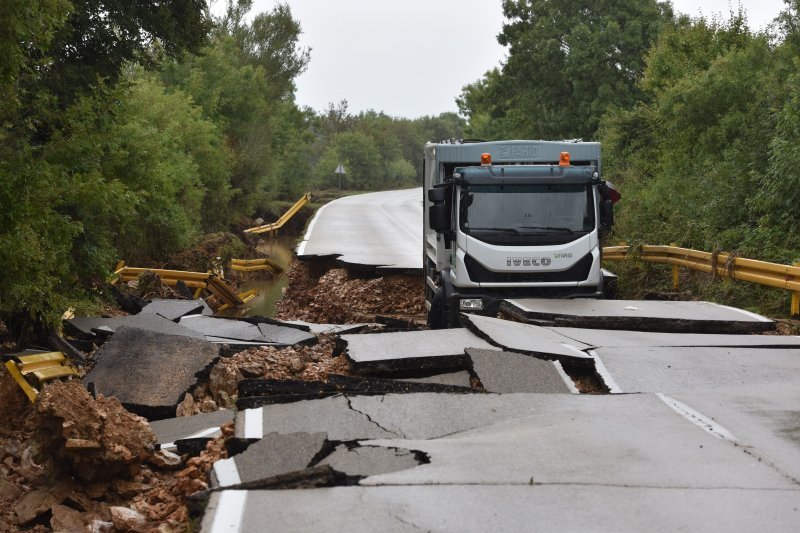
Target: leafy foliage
(568,63)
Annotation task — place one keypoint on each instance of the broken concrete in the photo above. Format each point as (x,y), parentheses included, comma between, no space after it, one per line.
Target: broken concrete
(329,328)
(150,372)
(412,350)
(87,327)
(688,369)
(204,425)
(259,392)
(331,415)
(526,338)
(618,338)
(224,328)
(364,461)
(507,372)
(624,440)
(175,309)
(662,316)
(286,336)
(269,459)
(457,379)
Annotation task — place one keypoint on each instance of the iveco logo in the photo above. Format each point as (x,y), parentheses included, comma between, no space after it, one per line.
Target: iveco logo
(528,261)
(517,151)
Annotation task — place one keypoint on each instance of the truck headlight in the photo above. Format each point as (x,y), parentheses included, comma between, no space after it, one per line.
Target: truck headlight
(470,304)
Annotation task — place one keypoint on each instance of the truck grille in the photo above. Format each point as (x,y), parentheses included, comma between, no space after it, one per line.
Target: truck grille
(480,274)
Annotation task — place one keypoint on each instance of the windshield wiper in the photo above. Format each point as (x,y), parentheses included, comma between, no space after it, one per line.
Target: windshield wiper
(503,230)
(549,228)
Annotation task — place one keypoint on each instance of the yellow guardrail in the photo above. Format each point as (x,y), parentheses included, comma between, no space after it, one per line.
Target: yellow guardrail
(197,280)
(32,370)
(721,264)
(251,265)
(275,226)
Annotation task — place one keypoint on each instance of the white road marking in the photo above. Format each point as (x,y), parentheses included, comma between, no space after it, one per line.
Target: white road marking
(229,512)
(697,418)
(613,388)
(748,313)
(302,246)
(227,473)
(254,423)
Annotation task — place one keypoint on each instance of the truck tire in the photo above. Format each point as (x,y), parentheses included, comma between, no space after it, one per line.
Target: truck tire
(441,316)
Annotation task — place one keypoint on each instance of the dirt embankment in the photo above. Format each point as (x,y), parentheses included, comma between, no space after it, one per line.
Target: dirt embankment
(334,296)
(74,463)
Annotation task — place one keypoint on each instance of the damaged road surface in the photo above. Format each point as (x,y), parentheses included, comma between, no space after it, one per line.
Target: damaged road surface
(705,439)
(377,229)
(637,315)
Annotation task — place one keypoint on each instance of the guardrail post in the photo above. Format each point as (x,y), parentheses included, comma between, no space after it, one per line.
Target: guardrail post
(675,272)
(795,311)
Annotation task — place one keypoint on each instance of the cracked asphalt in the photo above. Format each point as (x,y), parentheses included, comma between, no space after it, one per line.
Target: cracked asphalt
(696,432)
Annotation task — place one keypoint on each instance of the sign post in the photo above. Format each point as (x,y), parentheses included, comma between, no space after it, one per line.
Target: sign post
(340,171)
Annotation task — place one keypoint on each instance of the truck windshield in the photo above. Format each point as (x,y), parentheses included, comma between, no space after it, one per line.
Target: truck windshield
(532,214)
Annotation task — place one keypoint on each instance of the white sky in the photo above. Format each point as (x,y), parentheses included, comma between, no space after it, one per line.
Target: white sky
(410,58)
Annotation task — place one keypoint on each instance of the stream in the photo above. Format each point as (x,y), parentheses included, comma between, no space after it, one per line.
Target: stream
(279,250)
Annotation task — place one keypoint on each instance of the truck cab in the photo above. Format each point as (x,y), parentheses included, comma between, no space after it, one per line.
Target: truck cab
(511,219)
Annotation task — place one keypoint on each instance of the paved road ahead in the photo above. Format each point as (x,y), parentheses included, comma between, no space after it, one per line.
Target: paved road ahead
(378,229)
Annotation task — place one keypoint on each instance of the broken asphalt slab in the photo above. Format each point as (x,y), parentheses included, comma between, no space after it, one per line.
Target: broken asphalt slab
(175,309)
(635,440)
(329,328)
(331,415)
(638,315)
(476,508)
(259,392)
(694,369)
(150,372)
(526,338)
(619,338)
(204,425)
(364,461)
(414,416)
(84,327)
(224,328)
(507,372)
(269,460)
(246,332)
(412,350)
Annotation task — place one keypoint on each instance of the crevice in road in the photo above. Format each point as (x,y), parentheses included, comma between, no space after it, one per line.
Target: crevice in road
(397,433)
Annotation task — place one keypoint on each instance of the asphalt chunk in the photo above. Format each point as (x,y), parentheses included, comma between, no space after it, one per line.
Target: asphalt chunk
(417,350)
(150,372)
(508,372)
(637,315)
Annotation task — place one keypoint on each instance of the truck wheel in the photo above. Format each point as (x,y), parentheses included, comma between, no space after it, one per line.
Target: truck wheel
(441,316)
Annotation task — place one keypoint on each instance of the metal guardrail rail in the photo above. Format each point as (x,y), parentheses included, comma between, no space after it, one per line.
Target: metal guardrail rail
(197,280)
(724,265)
(275,226)
(32,369)
(251,265)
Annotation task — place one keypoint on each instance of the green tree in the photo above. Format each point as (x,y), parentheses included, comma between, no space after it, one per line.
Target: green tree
(568,63)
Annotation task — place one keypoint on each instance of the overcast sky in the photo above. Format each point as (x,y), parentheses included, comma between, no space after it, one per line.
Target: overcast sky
(410,58)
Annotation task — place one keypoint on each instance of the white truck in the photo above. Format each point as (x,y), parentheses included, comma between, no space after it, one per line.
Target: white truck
(511,219)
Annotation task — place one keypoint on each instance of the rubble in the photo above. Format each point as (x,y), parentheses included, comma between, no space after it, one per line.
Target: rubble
(340,298)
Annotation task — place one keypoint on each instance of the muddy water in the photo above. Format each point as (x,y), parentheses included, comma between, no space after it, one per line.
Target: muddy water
(279,250)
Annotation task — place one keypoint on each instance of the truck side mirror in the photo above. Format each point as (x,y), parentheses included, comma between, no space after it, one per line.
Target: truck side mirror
(606,214)
(437,195)
(439,212)
(439,218)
